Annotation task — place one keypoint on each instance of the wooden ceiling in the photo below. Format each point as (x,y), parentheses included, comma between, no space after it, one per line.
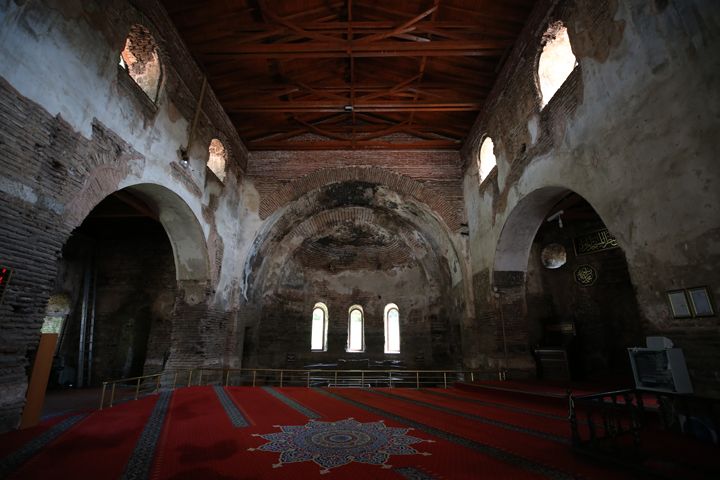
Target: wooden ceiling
(350,74)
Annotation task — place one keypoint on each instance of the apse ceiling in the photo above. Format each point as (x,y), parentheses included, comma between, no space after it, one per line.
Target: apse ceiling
(350,74)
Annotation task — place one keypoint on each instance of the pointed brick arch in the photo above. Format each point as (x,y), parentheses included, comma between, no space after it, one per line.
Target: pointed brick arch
(399,183)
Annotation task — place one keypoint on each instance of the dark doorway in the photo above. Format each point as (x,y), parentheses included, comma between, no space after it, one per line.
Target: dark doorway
(117,271)
(580,294)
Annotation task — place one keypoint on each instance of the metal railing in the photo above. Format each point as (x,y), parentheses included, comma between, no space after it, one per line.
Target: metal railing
(135,387)
(614,426)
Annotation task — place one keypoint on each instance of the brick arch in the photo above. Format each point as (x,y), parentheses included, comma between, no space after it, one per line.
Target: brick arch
(177,218)
(295,189)
(328,218)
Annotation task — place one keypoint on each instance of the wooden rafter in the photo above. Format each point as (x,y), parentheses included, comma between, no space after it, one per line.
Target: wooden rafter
(317,74)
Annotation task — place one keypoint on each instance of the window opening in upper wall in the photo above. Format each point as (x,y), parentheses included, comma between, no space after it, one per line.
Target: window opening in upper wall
(355,342)
(318,337)
(392,328)
(556,63)
(141,60)
(217,159)
(486,158)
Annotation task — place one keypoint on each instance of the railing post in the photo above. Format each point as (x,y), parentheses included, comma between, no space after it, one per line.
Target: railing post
(137,388)
(336,372)
(189,377)
(157,384)
(308,379)
(281,378)
(254,376)
(200,378)
(445,379)
(472,376)
(175,380)
(362,379)
(390,379)
(417,379)
(227,377)
(112,394)
(102,396)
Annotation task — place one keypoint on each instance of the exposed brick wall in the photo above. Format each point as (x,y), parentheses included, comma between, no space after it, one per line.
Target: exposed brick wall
(284,323)
(134,274)
(44,152)
(433,176)
(184,82)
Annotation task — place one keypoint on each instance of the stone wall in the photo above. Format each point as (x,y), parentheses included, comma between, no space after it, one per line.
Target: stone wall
(632,132)
(284,326)
(73,130)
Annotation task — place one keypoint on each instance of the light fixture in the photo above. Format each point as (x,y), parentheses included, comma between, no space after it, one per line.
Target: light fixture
(348,108)
(184,160)
(556,216)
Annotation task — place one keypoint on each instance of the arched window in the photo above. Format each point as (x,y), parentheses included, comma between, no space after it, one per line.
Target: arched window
(141,61)
(486,158)
(217,159)
(356,337)
(318,337)
(556,61)
(392,328)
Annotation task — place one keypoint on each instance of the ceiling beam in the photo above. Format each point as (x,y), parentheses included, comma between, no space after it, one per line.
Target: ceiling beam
(320,107)
(340,49)
(358,145)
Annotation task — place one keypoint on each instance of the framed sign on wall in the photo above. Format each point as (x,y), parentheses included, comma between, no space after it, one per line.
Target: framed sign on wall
(691,302)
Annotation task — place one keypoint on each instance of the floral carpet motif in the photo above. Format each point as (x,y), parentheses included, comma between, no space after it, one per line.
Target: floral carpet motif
(334,444)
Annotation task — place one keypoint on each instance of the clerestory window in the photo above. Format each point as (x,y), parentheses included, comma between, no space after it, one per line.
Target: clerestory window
(356,339)
(486,158)
(318,336)
(140,59)
(392,328)
(217,159)
(556,63)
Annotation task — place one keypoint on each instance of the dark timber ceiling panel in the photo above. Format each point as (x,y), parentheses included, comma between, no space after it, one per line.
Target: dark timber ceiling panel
(323,74)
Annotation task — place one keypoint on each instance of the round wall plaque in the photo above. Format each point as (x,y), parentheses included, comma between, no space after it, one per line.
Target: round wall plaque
(585,275)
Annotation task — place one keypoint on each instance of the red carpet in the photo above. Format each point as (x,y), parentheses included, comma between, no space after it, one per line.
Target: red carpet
(97,447)
(11,441)
(447,460)
(559,426)
(255,433)
(543,452)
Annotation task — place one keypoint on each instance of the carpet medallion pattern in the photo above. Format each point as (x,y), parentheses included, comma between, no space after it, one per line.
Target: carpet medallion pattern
(334,444)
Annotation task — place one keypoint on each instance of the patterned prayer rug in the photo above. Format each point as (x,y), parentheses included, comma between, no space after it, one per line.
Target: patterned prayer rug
(334,444)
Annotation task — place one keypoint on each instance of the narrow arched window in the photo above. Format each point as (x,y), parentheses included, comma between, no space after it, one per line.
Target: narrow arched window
(356,340)
(141,61)
(556,63)
(392,328)
(486,158)
(318,337)
(217,159)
